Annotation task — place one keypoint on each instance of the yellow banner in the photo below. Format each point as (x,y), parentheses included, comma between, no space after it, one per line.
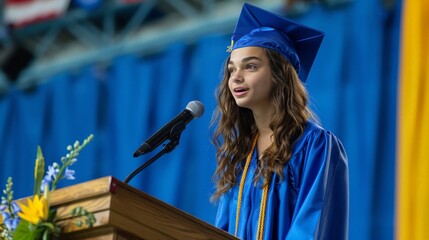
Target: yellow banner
(412,186)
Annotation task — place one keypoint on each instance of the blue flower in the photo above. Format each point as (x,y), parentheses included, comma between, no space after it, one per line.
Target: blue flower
(69,174)
(15,208)
(44,183)
(5,214)
(10,221)
(51,174)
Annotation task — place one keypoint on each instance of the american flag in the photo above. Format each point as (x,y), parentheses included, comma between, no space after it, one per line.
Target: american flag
(19,13)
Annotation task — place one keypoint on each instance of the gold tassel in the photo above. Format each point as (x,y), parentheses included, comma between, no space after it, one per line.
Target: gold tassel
(229,48)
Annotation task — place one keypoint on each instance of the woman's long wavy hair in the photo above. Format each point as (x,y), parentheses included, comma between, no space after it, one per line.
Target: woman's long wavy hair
(236,129)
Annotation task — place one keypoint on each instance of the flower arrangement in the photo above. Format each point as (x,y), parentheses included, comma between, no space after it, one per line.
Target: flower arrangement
(36,220)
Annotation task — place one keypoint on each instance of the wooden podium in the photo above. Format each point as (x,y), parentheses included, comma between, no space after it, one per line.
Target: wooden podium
(123,212)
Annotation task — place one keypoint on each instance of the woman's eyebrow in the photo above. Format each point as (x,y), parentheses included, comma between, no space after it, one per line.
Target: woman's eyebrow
(246,59)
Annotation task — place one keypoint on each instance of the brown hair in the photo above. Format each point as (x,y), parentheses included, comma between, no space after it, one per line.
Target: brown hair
(235,126)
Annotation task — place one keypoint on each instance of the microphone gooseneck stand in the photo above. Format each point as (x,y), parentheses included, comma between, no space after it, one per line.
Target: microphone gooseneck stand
(174,138)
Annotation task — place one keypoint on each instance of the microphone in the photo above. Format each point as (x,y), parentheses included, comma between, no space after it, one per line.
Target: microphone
(194,109)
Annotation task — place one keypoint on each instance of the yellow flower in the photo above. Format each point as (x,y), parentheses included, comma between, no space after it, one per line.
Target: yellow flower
(1,224)
(36,210)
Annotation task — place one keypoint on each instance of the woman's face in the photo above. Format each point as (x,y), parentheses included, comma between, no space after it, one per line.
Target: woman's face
(250,80)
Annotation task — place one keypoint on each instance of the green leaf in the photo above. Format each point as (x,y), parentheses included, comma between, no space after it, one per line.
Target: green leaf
(25,231)
(87,216)
(39,171)
(46,235)
(78,223)
(52,214)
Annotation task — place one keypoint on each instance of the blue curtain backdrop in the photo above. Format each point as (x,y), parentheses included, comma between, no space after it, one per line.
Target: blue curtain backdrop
(352,87)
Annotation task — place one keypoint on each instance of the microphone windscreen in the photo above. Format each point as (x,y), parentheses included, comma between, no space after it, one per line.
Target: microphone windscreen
(196,108)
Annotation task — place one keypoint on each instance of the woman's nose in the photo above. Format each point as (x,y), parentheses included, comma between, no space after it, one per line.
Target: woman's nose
(236,76)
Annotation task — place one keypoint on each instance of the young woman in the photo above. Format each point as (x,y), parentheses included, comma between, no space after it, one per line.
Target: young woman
(279,175)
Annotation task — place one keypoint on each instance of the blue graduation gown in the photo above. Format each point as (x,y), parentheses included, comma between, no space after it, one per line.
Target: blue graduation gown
(311,202)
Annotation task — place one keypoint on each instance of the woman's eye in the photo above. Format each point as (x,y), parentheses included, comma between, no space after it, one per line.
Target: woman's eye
(231,70)
(251,66)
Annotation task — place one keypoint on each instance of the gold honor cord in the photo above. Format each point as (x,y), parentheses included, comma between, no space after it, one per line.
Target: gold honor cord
(261,219)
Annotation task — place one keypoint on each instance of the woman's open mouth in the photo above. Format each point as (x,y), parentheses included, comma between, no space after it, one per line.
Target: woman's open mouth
(240,91)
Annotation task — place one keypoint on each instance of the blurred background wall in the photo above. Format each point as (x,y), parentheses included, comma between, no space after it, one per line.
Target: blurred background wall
(121,69)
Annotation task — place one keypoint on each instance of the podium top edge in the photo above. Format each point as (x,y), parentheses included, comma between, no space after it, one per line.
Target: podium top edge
(87,189)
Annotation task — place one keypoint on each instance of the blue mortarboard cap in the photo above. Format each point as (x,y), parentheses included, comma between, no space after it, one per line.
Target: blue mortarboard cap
(299,44)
